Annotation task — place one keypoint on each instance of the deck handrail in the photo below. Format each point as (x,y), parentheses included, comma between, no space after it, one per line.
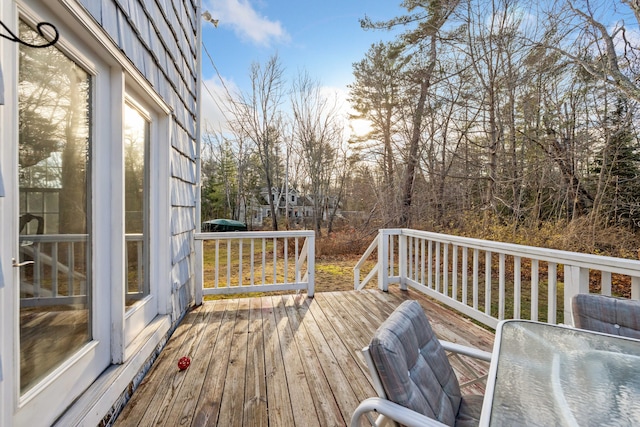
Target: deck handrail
(422,257)
(246,251)
(356,270)
(43,287)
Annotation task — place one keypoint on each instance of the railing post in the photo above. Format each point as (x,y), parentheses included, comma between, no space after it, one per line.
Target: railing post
(383,261)
(311,265)
(635,288)
(576,281)
(403,260)
(199,271)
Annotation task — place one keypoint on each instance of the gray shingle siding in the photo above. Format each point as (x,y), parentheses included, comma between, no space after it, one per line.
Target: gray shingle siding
(182,167)
(182,143)
(180,222)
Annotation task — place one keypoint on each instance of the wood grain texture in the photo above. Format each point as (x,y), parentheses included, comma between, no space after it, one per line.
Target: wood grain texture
(284,360)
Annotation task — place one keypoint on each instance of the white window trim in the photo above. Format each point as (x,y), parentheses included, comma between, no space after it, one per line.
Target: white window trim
(127,325)
(159,268)
(28,408)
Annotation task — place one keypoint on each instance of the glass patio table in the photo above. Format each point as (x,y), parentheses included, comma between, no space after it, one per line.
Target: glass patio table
(551,375)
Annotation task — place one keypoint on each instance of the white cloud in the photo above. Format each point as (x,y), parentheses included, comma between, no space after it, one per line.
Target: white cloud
(214,104)
(631,34)
(247,22)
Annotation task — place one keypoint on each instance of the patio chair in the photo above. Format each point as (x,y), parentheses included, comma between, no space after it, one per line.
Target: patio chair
(600,313)
(412,375)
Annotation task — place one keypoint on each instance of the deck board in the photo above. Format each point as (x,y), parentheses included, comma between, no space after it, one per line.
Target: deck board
(231,407)
(255,393)
(327,409)
(283,360)
(304,412)
(181,412)
(170,393)
(277,391)
(143,410)
(336,362)
(208,406)
(346,338)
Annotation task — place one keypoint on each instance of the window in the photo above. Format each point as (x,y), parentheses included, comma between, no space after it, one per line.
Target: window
(55,216)
(91,207)
(136,185)
(145,212)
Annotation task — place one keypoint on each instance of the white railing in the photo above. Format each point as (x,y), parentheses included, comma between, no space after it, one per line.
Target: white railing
(51,275)
(137,286)
(491,281)
(55,270)
(254,261)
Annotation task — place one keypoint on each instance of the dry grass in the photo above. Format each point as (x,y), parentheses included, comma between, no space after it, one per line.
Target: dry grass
(336,255)
(580,235)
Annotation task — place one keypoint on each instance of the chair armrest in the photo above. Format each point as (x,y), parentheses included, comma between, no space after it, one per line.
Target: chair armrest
(467,351)
(389,409)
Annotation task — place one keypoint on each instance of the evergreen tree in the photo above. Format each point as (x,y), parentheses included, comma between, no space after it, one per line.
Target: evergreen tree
(618,165)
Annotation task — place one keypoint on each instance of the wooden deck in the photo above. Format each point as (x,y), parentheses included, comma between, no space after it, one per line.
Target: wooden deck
(277,361)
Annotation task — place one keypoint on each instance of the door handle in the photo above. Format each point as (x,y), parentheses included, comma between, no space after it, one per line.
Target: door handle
(17,264)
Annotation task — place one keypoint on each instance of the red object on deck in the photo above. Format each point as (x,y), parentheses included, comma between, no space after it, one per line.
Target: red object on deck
(184,363)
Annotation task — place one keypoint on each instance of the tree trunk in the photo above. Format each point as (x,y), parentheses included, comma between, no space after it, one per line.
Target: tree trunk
(414,144)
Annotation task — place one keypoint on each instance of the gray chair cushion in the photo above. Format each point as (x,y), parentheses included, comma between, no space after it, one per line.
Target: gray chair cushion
(469,412)
(414,368)
(616,316)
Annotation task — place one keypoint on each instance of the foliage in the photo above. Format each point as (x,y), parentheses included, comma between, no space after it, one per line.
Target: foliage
(516,117)
(484,120)
(618,167)
(346,243)
(54,136)
(579,235)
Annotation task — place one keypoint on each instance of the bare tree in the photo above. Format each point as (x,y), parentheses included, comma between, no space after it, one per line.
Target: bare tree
(317,131)
(600,42)
(423,41)
(258,118)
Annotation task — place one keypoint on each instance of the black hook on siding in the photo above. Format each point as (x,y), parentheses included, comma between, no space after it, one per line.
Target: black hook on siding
(39,28)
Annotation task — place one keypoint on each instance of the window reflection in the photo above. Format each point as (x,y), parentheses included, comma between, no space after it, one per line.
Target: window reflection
(54,179)
(136,142)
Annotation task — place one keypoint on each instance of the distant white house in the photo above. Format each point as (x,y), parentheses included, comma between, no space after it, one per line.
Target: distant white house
(98,200)
(293,203)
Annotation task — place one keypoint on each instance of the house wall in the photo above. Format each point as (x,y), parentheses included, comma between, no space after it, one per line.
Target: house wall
(159,37)
(154,45)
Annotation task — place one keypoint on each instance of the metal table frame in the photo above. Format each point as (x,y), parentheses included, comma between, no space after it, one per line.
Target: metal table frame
(596,346)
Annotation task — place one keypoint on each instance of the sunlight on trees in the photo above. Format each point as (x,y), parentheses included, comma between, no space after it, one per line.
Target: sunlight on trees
(504,112)
(360,128)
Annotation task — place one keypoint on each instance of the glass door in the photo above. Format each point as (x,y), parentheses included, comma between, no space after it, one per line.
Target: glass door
(54,178)
(61,326)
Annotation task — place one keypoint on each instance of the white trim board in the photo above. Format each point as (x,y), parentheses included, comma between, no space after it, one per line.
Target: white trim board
(97,401)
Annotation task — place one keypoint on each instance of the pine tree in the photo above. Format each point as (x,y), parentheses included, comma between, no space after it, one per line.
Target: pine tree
(619,161)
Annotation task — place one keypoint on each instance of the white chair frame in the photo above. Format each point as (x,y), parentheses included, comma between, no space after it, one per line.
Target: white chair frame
(388,410)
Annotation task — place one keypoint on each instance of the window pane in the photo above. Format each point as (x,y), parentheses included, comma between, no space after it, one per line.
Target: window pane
(34,202)
(51,202)
(136,142)
(54,150)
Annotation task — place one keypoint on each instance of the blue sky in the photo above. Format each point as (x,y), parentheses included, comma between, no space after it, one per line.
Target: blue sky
(322,37)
